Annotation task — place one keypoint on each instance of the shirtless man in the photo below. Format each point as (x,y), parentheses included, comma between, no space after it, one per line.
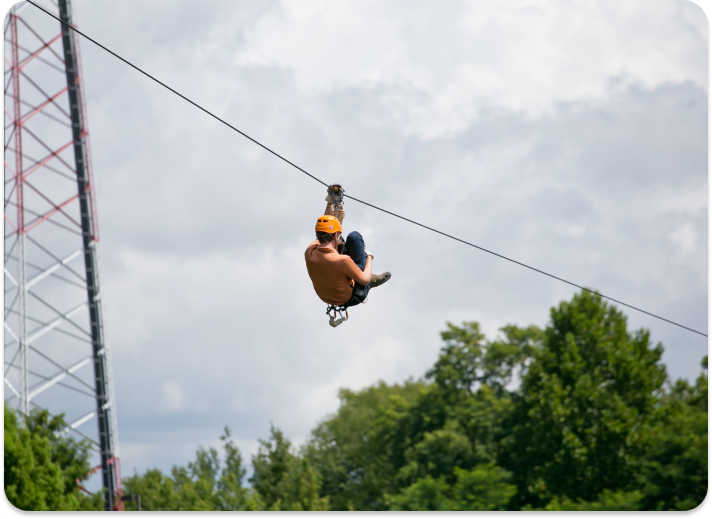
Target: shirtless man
(340,271)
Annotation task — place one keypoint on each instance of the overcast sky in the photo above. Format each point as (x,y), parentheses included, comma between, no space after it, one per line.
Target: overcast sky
(571,136)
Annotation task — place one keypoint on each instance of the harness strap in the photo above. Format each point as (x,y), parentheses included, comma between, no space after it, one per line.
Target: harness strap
(332,310)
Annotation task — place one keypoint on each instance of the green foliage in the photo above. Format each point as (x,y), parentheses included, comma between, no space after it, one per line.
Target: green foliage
(157,491)
(353,450)
(482,488)
(231,495)
(42,466)
(607,501)
(205,484)
(674,468)
(283,479)
(466,359)
(457,368)
(579,416)
(393,446)
(590,427)
(587,405)
(426,494)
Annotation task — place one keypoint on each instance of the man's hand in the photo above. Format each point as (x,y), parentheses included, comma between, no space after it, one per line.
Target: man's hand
(368,253)
(334,202)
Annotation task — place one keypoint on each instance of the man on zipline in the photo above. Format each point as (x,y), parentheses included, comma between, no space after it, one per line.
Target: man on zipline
(340,272)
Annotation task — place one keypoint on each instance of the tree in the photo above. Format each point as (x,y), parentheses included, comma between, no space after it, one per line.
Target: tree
(283,479)
(607,501)
(205,484)
(483,488)
(358,450)
(231,495)
(587,406)
(426,494)
(673,475)
(471,378)
(467,360)
(394,446)
(158,491)
(451,431)
(43,467)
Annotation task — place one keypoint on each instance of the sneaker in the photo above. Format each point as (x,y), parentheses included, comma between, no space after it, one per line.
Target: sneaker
(378,280)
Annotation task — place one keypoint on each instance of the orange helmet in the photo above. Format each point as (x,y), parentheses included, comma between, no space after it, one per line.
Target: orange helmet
(328,224)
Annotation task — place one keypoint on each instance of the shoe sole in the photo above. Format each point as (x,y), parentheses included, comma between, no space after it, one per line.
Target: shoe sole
(386,277)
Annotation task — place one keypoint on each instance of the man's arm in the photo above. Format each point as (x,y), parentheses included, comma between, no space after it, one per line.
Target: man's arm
(365,278)
(329,212)
(338,214)
(354,272)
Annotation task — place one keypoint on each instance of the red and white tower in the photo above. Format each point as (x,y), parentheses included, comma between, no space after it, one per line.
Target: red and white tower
(56,354)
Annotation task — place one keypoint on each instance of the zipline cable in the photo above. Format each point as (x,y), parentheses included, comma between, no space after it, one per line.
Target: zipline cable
(351,197)
(525,265)
(178,93)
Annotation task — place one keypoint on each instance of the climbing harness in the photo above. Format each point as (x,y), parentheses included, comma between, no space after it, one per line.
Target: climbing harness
(332,310)
(359,296)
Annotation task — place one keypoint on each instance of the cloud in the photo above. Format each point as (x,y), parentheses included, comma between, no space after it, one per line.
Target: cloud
(172,398)
(443,64)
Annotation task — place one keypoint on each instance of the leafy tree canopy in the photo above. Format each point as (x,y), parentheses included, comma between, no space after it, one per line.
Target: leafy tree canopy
(43,467)
(588,405)
(577,416)
(205,484)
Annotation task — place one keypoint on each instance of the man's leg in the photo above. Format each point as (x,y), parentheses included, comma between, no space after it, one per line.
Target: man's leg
(356,250)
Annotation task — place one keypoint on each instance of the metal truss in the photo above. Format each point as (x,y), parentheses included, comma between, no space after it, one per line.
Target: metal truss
(56,355)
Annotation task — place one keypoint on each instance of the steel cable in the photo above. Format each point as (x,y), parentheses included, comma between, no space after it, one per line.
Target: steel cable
(351,197)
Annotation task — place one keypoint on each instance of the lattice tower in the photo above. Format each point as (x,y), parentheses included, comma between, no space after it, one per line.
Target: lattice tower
(56,354)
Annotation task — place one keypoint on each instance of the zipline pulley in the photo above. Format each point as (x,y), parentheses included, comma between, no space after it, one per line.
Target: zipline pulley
(336,199)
